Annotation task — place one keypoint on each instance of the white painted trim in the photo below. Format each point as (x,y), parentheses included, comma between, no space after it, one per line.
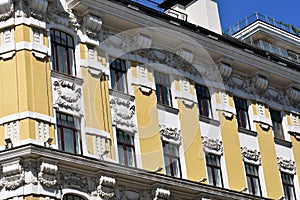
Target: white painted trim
(28,114)
(96,132)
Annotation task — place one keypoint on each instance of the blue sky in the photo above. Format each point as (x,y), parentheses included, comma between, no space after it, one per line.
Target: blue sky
(232,11)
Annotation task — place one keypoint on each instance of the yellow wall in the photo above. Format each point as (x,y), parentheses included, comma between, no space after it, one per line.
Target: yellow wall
(232,152)
(296,152)
(269,163)
(192,143)
(150,142)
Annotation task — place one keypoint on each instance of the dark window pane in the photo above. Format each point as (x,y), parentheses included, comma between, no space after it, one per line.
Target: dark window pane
(172,160)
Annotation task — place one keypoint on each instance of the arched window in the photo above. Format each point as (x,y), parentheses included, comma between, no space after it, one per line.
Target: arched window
(72,197)
(62,51)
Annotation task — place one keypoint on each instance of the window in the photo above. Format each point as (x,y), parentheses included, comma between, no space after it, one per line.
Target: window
(72,197)
(62,50)
(277,124)
(253,179)
(203,101)
(69,139)
(126,148)
(171,158)
(241,112)
(118,75)
(163,92)
(214,170)
(288,186)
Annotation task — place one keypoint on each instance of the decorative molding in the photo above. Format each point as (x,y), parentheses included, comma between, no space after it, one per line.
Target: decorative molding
(12,130)
(168,58)
(105,189)
(42,130)
(225,70)
(24,115)
(161,194)
(293,95)
(142,40)
(92,25)
(13,176)
(261,83)
(38,8)
(212,145)
(170,134)
(48,175)
(286,165)
(57,15)
(73,180)
(123,114)
(251,155)
(6,9)
(67,96)
(185,54)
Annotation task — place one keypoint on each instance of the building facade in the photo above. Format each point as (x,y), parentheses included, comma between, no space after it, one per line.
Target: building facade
(107,99)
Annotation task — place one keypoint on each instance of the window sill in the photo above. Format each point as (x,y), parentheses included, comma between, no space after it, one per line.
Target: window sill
(168,109)
(120,94)
(209,120)
(59,75)
(283,142)
(247,132)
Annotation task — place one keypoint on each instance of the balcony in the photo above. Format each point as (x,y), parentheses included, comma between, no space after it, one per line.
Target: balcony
(259,17)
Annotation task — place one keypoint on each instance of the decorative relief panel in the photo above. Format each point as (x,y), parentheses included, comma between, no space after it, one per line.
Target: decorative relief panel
(128,194)
(212,145)
(251,155)
(42,130)
(161,194)
(144,82)
(286,165)
(100,145)
(170,134)
(38,8)
(6,9)
(56,14)
(73,180)
(92,25)
(48,175)
(225,70)
(106,188)
(67,96)
(185,54)
(261,83)
(12,131)
(123,114)
(13,176)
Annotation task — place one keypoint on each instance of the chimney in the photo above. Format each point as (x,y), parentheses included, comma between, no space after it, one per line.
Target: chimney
(203,13)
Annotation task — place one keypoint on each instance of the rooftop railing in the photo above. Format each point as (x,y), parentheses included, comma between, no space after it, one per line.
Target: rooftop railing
(257,16)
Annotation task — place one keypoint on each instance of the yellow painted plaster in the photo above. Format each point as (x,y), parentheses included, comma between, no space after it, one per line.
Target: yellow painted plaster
(269,163)
(192,142)
(232,153)
(133,68)
(27,129)
(231,102)
(289,120)
(2,136)
(177,83)
(192,88)
(22,33)
(254,108)
(83,51)
(150,142)
(217,96)
(90,143)
(296,152)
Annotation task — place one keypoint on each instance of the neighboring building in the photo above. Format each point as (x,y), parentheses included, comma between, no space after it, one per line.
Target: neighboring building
(107,99)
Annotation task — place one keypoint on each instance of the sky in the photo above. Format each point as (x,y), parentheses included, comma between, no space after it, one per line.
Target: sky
(233,11)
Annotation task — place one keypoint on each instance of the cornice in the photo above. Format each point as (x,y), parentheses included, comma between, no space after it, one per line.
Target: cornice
(95,167)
